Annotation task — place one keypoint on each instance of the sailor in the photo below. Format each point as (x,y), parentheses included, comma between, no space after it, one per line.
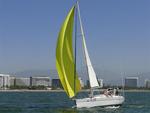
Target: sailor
(110,91)
(116,91)
(106,92)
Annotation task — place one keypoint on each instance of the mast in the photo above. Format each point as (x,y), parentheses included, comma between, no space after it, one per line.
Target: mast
(123,84)
(75,50)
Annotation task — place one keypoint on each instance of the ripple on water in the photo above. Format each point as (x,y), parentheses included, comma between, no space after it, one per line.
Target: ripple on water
(58,102)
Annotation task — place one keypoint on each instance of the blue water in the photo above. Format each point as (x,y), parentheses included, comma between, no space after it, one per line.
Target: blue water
(58,102)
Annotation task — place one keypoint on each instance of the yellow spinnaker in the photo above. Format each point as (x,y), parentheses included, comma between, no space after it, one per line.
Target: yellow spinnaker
(64,56)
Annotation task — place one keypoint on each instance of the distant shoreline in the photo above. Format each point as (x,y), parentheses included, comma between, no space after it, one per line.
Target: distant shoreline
(85,90)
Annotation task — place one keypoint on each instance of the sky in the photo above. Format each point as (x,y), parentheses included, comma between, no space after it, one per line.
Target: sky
(117,33)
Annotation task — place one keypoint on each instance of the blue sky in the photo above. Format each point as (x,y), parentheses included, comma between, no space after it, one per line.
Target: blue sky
(117,33)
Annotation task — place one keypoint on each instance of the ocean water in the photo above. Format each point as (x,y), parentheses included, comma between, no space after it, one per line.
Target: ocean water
(58,102)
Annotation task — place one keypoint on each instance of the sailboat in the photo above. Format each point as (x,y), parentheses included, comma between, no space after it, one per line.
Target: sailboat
(66,65)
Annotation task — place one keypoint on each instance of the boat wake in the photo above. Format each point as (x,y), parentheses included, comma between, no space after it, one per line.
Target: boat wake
(112,107)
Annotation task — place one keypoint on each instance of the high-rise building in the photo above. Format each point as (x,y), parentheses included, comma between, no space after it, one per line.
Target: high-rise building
(131,82)
(56,83)
(4,81)
(39,81)
(12,81)
(147,83)
(22,81)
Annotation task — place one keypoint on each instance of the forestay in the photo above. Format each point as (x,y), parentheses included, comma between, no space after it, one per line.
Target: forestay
(92,76)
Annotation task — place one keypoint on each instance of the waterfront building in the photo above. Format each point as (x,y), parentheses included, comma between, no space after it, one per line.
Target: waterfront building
(147,83)
(12,81)
(4,81)
(39,81)
(56,83)
(131,82)
(22,81)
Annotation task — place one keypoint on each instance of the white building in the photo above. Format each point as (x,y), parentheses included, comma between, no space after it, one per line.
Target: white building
(40,81)
(100,81)
(22,81)
(12,81)
(4,81)
(147,83)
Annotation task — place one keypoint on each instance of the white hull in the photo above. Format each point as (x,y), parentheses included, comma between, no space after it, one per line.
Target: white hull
(100,100)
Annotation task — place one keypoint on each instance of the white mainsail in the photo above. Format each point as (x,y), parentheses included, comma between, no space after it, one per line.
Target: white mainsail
(92,76)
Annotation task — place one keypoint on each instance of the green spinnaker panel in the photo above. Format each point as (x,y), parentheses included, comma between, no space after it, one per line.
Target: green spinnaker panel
(64,56)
